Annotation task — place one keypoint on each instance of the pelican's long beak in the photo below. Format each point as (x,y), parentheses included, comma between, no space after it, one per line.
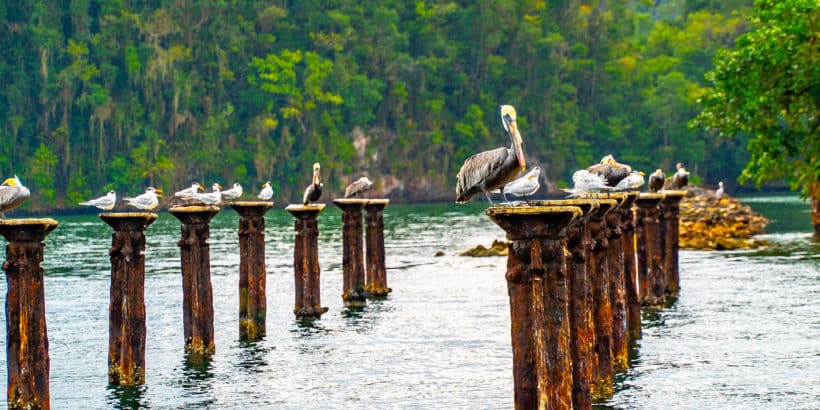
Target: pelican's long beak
(643,174)
(158,190)
(200,187)
(512,128)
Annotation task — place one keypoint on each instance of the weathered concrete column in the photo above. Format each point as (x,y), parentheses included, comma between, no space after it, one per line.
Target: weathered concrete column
(539,293)
(633,303)
(670,232)
(26,336)
(126,312)
(376,272)
(197,294)
(617,280)
(603,377)
(353,293)
(647,231)
(252,273)
(306,270)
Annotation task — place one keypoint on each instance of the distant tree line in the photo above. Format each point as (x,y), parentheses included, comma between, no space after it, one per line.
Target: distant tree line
(120,94)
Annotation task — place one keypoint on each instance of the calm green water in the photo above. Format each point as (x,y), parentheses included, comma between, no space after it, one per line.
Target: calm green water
(744,333)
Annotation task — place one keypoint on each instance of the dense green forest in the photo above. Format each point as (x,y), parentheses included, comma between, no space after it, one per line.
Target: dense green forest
(120,94)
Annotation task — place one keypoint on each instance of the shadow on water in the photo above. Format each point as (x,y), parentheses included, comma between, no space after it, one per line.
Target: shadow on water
(651,317)
(126,397)
(253,356)
(197,367)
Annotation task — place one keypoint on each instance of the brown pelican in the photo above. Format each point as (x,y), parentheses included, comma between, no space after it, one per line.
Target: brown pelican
(525,186)
(612,171)
(493,169)
(656,180)
(632,181)
(12,194)
(586,183)
(266,193)
(234,192)
(210,198)
(105,202)
(188,193)
(720,191)
(313,191)
(357,187)
(680,179)
(146,201)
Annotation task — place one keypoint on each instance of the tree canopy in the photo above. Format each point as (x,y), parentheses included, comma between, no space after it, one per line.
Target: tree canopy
(769,86)
(120,94)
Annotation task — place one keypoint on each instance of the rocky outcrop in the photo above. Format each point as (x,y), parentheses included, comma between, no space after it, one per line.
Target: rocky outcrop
(498,248)
(708,222)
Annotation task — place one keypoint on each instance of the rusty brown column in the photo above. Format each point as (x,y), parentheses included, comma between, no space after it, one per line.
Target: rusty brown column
(647,232)
(539,293)
(252,273)
(617,280)
(633,303)
(353,293)
(603,377)
(376,273)
(670,231)
(26,335)
(197,294)
(126,312)
(306,270)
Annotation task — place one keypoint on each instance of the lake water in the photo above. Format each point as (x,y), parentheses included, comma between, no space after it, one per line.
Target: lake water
(744,333)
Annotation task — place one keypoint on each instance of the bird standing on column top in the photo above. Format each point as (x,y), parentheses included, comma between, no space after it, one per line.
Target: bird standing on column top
(313,191)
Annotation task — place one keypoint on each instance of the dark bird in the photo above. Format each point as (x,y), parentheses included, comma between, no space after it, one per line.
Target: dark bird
(313,191)
(656,180)
(488,170)
(680,179)
(12,194)
(357,187)
(612,171)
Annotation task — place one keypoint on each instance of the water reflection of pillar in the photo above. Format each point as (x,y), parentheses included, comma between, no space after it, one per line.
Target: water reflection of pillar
(376,273)
(197,294)
(307,304)
(26,335)
(602,380)
(647,231)
(617,296)
(353,293)
(670,231)
(633,303)
(537,286)
(252,272)
(126,312)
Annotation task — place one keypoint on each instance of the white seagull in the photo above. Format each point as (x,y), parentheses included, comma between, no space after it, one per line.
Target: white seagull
(105,202)
(146,201)
(210,198)
(266,193)
(357,187)
(188,193)
(632,181)
(524,186)
(234,192)
(587,183)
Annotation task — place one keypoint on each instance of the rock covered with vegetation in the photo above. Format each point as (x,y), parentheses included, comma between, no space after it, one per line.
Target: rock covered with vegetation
(498,248)
(708,222)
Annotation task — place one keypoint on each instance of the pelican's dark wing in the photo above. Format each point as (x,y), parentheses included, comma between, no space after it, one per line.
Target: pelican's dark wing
(475,170)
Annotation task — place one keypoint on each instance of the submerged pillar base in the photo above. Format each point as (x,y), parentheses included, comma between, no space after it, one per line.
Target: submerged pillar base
(307,301)
(26,333)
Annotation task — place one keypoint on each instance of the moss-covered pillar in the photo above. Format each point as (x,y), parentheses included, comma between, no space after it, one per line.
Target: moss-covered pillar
(376,272)
(603,377)
(670,232)
(539,293)
(633,302)
(617,279)
(197,294)
(647,231)
(307,304)
(252,272)
(126,312)
(26,336)
(353,293)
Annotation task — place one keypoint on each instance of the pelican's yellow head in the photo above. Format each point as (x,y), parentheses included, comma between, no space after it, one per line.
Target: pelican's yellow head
(9,182)
(608,160)
(508,119)
(316,169)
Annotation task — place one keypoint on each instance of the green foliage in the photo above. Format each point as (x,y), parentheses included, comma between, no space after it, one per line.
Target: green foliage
(769,86)
(41,169)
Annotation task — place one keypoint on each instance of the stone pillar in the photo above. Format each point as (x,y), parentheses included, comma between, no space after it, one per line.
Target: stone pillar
(353,293)
(26,336)
(539,293)
(307,303)
(376,273)
(197,294)
(647,231)
(126,312)
(633,303)
(670,232)
(603,378)
(252,273)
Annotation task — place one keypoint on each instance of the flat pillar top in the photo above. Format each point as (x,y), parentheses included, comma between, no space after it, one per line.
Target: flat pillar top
(128,221)
(521,222)
(191,209)
(27,229)
(673,193)
(297,209)
(194,214)
(586,204)
(625,198)
(240,204)
(649,199)
(342,202)
(252,208)
(379,201)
